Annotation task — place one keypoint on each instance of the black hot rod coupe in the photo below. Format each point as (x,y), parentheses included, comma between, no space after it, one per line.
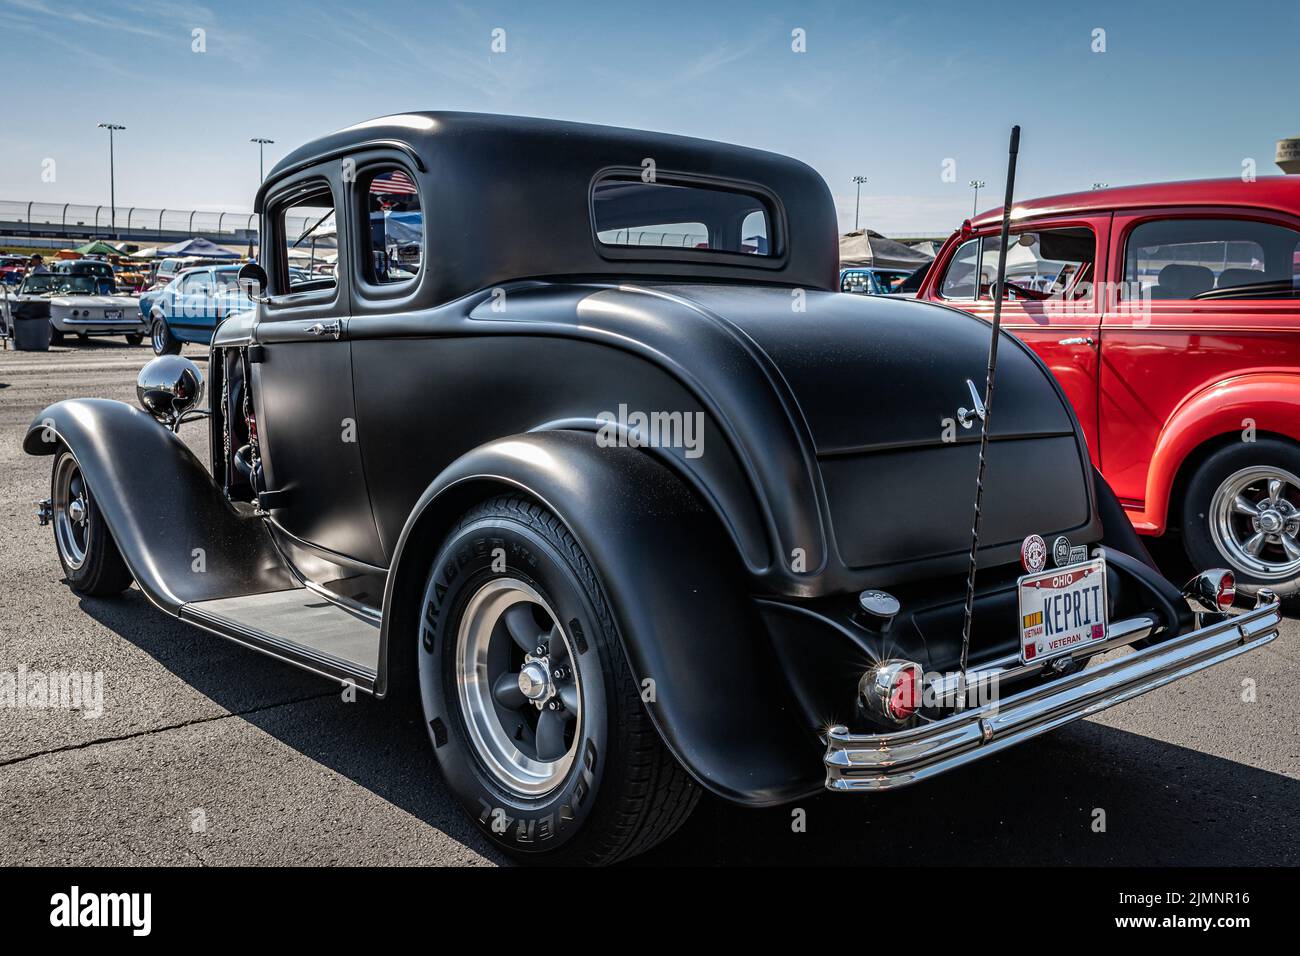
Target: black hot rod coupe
(564,430)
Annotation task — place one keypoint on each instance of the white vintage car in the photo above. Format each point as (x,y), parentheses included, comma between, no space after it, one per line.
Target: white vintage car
(79,304)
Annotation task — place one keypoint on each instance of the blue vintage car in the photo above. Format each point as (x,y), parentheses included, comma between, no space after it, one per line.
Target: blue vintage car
(873,280)
(189,308)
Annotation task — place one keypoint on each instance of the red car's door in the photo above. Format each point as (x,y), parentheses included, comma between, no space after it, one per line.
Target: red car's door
(1053,304)
(1169,334)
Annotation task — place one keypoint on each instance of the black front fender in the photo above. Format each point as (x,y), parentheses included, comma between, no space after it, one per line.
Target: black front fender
(180,538)
(670,573)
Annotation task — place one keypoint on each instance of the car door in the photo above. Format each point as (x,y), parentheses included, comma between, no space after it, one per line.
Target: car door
(1178,326)
(189,303)
(1058,315)
(302,375)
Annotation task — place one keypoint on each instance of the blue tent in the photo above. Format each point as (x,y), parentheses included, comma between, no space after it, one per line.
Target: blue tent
(198,246)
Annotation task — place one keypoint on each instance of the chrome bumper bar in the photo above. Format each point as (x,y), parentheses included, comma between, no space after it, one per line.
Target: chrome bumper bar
(887,761)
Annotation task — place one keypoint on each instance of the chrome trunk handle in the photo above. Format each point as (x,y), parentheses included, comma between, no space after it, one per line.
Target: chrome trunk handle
(333,328)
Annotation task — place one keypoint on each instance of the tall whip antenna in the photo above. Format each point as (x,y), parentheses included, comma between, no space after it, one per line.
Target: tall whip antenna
(989,380)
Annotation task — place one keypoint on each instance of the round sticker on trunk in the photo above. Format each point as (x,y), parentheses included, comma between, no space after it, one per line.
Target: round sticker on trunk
(1033,553)
(1061,551)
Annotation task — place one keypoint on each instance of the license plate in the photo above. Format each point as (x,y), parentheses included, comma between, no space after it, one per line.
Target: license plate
(1062,610)
(112,313)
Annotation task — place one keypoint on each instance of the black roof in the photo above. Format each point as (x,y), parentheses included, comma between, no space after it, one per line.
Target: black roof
(509,197)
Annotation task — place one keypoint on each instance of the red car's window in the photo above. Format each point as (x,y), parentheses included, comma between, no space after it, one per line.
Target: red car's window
(1041,264)
(1212,259)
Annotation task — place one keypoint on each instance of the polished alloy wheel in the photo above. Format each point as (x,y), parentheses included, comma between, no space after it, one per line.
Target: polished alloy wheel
(1255,521)
(71,513)
(519,691)
(158,337)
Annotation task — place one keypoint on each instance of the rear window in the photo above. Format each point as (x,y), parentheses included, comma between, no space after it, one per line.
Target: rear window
(630,213)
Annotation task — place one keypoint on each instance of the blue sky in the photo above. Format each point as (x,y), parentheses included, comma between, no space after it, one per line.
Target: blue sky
(889,91)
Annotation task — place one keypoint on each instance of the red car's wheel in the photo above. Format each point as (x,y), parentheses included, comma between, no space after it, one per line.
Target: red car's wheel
(1242,511)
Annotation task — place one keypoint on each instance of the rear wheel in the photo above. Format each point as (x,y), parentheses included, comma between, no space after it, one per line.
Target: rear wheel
(91,562)
(533,712)
(56,337)
(161,338)
(1242,511)
(134,338)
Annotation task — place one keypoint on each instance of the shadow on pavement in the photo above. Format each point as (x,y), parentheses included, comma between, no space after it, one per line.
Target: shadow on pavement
(1035,804)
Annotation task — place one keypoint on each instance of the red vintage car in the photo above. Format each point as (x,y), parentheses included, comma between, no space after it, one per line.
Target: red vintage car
(1170,313)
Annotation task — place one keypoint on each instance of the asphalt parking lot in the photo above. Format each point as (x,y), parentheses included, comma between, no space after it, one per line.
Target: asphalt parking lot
(207,753)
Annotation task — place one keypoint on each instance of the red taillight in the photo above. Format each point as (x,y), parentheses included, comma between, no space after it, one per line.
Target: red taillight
(905,695)
(1227,590)
(892,689)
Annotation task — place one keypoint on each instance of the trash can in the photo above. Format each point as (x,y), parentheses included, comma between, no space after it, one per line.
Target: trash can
(31,335)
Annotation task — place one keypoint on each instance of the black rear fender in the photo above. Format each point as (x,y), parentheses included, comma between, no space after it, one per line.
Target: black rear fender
(674,581)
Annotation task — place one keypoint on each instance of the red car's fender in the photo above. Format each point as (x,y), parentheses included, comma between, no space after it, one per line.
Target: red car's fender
(1257,402)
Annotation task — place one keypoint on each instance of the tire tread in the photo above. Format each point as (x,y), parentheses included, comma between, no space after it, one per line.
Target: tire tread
(658,794)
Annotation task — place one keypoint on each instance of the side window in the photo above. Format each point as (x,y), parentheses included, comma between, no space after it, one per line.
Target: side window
(393,245)
(1213,259)
(197,283)
(1043,264)
(305,226)
(959,280)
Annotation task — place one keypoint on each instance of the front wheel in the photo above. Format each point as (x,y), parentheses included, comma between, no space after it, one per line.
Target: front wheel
(134,338)
(56,336)
(1242,511)
(535,717)
(161,338)
(91,562)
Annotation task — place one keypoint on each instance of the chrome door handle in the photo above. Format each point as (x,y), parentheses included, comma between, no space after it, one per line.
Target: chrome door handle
(967,416)
(326,328)
(1078,340)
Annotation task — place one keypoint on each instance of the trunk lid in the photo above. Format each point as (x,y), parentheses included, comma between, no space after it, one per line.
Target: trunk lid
(879,383)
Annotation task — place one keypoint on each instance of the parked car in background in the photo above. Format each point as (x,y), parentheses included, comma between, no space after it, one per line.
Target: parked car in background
(629,526)
(189,308)
(166,270)
(99,268)
(12,269)
(871,280)
(1170,314)
(131,279)
(80,303)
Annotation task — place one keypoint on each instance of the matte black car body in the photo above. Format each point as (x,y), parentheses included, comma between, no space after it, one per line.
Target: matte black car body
(732,575)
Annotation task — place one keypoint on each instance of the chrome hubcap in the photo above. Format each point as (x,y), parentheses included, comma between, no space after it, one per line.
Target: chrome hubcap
(518,691)
(71,502)
(1255,522)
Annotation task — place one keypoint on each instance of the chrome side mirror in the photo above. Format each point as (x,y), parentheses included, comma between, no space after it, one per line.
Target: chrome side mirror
(253,282)
(168,387)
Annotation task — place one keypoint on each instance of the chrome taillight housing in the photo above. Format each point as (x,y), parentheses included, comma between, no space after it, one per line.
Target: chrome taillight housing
(892,690)
(1213,590)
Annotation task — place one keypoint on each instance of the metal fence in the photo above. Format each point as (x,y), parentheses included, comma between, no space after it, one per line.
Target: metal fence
(77,221)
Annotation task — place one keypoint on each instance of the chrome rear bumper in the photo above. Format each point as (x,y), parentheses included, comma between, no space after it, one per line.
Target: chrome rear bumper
(890,760)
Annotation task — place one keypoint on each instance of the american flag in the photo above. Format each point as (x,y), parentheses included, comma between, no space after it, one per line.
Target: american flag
(393,183)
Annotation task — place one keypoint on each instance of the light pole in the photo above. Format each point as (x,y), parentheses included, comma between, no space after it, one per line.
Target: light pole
(977,185)
(857,203)
(112,179)
(261,145)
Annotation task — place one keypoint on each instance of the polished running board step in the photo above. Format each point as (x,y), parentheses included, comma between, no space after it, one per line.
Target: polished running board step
(298,626)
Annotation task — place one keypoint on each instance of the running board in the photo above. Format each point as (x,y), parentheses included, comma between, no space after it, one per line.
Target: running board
(297,626)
